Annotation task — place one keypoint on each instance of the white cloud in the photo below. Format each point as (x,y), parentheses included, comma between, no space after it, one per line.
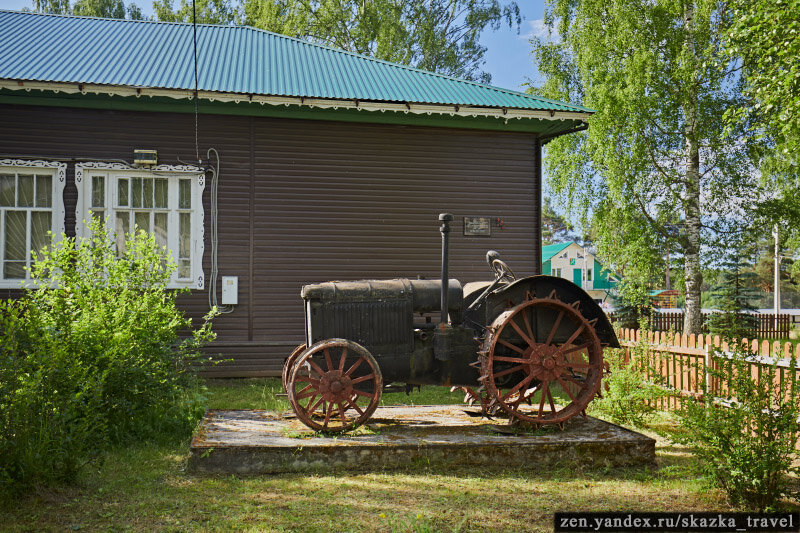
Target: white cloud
(537,29)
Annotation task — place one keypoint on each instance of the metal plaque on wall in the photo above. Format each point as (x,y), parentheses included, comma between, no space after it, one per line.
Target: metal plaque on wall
(478,226)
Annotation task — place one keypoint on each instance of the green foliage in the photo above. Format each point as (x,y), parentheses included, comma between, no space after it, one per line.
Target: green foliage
(657,143)
(555,229)
(765,34)
(114,9)
(732,297)
(438,35)
(745,434)
(634,309)
(204,12)
(92,356)
(628,397)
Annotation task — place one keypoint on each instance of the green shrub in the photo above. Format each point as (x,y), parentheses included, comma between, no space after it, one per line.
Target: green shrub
(732,297)
(44,434)
(99,354)
(628,397)
(745,436)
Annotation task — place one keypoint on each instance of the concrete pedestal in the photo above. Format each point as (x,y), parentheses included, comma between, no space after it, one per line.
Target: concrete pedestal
(262,442)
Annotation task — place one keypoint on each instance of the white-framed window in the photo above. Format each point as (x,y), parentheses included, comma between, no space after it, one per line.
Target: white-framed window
(588,274)
(557,272)
(31,205)
(163,200)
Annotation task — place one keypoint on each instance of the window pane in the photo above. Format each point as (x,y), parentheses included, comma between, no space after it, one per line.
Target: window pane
(143,221)
(147,195)
(99,214)
(161,193)
(44,191)
(14,270)
(7,189)
(25,193)
(160,229)
(184,246)
(136,193)
(184,269)
(122,227)
(41,222)
(185,194)
(184,238)
(122,192)
(15,235)
(98,191)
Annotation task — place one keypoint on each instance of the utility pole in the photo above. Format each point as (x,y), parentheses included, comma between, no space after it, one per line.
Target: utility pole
(777,302)
(585,273)
(669,281)
(672,231)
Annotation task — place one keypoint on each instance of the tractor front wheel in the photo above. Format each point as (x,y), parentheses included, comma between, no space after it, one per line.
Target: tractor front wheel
(287,366)
(335,385)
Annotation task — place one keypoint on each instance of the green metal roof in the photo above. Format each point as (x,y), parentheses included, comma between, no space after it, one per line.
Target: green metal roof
(231,59)
(552,249)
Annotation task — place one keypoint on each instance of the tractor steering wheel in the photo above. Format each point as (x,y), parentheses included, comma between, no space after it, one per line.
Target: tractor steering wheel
(502,271)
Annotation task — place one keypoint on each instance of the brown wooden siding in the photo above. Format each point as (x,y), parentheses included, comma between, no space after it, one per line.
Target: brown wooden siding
(306,201)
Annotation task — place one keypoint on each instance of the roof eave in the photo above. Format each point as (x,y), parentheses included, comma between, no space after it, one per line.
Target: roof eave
(311,102)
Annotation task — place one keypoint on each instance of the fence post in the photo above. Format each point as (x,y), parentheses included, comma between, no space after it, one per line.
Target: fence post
(706,373)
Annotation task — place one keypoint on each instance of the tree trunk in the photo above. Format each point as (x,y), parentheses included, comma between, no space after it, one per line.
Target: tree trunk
(693,317)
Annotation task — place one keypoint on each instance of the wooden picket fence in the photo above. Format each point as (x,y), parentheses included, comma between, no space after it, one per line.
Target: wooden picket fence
(668,322)
(679,362)
(767,327)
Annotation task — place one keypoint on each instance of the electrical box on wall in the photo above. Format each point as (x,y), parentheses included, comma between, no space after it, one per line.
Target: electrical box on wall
(230,290)
(145,157)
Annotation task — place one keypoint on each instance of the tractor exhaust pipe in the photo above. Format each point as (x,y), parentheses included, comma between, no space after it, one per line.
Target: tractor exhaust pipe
(445,219)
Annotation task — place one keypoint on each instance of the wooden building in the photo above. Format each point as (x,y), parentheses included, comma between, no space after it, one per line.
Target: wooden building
(664,298)
(570,260)
(326,164)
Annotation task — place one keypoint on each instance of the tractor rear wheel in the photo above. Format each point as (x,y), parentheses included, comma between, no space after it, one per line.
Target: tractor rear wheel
(541,361)
(335,385)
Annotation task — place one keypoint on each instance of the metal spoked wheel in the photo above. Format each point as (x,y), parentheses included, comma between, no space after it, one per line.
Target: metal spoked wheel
(335,385)
(287,366)
(542,361)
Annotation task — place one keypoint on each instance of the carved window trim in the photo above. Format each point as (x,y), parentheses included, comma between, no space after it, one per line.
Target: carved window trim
(58,170)
(113,172)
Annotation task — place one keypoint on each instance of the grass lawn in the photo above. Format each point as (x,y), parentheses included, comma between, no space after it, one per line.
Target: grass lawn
(146,488)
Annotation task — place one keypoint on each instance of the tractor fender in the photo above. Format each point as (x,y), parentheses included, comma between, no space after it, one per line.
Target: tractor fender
(543,287)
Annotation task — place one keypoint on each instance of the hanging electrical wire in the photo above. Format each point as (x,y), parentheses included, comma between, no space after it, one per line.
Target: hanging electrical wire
(214,238)
(196,100)
(215,172)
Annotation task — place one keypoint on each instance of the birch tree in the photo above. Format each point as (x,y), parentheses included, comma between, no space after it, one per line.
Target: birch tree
(657,153)
(765,34)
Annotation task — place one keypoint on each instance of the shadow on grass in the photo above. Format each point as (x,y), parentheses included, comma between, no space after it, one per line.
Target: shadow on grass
(147,488)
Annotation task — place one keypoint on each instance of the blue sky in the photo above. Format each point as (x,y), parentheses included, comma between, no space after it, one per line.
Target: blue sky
(507,56)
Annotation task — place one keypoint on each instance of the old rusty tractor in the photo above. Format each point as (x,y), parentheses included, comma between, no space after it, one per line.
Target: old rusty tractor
(530,349)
